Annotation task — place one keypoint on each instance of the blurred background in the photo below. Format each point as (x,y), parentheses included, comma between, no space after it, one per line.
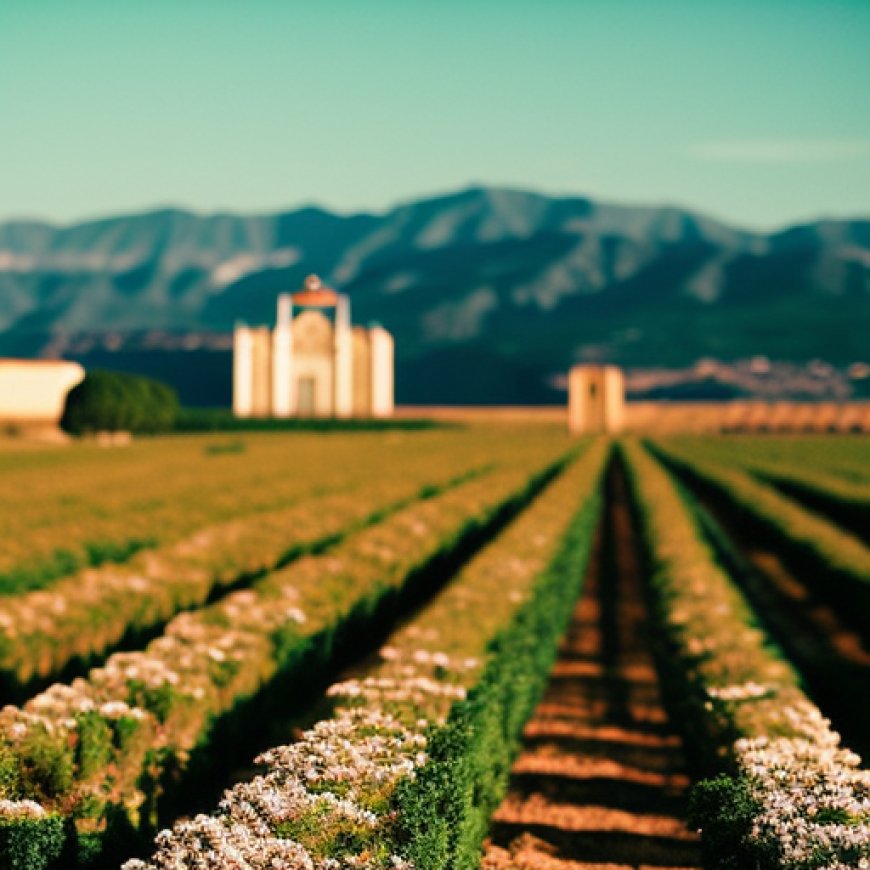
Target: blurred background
(509,188)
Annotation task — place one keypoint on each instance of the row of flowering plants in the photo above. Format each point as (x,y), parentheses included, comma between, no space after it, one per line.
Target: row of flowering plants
(417,751)
(843,459)
(799,469)
(66,510)
(845,501)
(71,509)
(787,796)
(83,617)
(834,561)
(97,753)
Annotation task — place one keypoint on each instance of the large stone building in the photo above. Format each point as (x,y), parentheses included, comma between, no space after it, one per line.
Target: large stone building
(596,399)
(33,392)
(312,364)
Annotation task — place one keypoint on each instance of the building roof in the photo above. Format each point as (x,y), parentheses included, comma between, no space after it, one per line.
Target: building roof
(24,361)
(314,293)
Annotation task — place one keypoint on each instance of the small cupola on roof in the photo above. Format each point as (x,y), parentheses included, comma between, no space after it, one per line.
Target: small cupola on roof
(315,294)
(312,363)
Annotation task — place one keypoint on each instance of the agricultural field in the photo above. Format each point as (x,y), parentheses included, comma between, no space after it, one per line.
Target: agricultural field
(475,646)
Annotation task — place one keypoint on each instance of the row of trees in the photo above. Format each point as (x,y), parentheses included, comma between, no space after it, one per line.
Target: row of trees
(115,401)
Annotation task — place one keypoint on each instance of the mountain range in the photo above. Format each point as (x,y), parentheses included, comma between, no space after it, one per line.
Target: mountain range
(491,293)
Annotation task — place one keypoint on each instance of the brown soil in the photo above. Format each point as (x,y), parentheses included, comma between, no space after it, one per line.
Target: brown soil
(601,781)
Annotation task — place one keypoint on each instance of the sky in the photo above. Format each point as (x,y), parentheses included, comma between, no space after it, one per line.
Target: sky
(753,111)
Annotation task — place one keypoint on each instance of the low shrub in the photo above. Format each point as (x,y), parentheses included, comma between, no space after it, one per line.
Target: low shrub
(29,837)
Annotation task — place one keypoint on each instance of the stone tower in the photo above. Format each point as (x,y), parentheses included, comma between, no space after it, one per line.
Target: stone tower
(596,399)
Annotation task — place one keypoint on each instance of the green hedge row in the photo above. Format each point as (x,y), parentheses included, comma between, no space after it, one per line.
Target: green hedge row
(444,813)
(192,420)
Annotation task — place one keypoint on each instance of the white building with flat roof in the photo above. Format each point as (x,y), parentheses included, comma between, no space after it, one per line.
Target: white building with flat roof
(33,391)
(312,363)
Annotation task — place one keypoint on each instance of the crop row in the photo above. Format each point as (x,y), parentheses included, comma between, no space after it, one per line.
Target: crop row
(62,510)
(788,796)
(417,751)
(99,751)
(844,458)
(84,616)
(845,502)
(86,506)
(835,562)
(843,497)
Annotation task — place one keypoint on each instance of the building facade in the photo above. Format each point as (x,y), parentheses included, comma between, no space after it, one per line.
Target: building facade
(596,399)
(313,363)
(33,392)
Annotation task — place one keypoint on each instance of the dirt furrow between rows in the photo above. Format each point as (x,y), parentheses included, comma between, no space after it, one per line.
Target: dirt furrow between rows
(601,781)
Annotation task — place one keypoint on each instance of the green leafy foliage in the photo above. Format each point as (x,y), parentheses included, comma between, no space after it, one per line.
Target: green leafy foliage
(444,813)
(114,401)
(31,843)
(790,798)
(723,810)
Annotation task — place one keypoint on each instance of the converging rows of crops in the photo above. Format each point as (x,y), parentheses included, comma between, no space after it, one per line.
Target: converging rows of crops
(447,649)
(71,508)
(766,603)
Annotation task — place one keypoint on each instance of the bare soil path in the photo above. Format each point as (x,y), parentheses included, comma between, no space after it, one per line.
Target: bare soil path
(601,781)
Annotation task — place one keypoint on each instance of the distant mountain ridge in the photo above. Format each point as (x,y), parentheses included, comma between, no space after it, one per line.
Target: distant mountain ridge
(489,292)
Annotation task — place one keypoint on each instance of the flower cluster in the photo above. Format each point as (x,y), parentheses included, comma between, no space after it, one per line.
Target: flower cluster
(88,613)
(814,799)
(329,789)
(747,691)
(20,809)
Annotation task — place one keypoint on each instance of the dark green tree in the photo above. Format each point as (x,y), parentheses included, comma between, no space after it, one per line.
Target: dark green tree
(114,401)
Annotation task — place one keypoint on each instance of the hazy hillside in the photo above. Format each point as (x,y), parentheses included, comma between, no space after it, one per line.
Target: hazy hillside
(489,292)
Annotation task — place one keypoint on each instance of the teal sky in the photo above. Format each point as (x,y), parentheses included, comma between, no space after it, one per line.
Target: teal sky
(756,112)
